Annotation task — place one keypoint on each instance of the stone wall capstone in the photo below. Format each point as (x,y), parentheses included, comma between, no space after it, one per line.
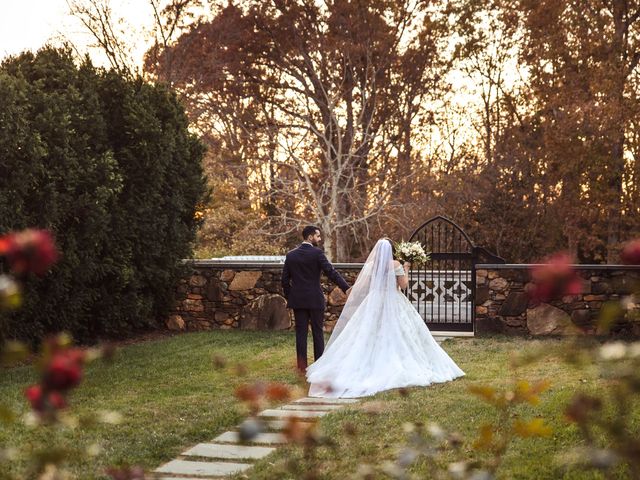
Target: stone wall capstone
(249,296)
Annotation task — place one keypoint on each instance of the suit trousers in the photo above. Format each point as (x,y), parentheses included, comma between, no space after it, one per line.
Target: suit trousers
(303,317)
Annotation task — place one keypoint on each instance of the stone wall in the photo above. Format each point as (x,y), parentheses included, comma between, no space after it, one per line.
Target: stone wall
(249,296)
(246,296)
(502,304)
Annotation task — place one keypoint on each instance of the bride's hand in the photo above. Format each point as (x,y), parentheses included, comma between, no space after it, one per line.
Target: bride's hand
(348,292)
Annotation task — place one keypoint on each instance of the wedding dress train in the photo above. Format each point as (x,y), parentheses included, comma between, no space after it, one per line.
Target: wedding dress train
(380,341)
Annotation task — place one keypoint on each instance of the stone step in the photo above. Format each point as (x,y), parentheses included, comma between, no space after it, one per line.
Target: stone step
(228,452)
(326,401)
(281,424)
(440,339)
(180,478)
(202,469)
(310,408)
(264,438)
(290,413)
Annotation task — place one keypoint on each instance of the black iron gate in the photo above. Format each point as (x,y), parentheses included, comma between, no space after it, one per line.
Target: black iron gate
(443,290)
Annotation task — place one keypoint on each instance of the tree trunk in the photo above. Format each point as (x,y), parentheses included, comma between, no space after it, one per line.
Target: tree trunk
(615,204)
(342,246)
(329,243)
(616,171)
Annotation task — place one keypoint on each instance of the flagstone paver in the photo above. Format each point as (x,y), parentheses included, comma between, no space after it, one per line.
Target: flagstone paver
(266,438)
(326,401)
(228,452)
(311,407)
(178,478)
(281,424)
(210,469)
(281,413)
(227,455)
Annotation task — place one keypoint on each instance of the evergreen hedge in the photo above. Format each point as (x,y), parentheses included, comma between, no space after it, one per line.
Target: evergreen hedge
(108,164)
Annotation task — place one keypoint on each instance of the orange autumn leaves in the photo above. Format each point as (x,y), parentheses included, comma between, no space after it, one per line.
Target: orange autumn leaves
(257,394)
(522,392)
(496,437)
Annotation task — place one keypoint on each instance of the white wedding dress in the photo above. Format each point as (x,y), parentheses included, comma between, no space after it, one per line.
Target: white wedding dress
(380,342)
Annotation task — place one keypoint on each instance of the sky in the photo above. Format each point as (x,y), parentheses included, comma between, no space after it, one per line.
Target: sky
(29,24)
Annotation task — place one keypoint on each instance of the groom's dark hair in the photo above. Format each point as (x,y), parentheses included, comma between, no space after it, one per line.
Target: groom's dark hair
(309,230)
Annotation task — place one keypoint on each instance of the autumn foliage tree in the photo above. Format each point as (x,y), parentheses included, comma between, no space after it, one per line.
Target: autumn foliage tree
(515,118)
(315,106)
(582,60)
(556,167)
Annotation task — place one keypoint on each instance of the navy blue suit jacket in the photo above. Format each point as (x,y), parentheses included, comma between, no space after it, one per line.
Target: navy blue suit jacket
(301,277)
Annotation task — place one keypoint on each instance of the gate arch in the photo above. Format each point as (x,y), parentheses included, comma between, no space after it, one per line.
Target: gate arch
(444,289)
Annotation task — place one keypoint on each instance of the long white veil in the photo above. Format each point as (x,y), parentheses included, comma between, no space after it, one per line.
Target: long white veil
(372,289)
(380,341)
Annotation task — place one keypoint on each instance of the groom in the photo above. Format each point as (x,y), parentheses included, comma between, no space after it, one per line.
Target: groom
(301,286)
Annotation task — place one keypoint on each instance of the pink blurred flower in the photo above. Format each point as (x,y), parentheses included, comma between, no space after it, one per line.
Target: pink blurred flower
(555,278)
(631,253)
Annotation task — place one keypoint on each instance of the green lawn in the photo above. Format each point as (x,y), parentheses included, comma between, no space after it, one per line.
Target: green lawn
(172,397)
(168,391)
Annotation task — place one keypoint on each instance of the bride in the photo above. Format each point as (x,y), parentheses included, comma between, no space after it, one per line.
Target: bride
(380,341)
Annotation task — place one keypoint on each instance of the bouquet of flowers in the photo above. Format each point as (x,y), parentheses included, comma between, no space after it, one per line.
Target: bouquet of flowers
(412,252)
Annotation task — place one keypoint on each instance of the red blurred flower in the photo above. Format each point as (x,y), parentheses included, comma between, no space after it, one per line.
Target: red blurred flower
(126,473)
(65,370)
(582,407)
(297,431)
(29,251)
(278,392)
(57,400)
(62,371)
(631,253)
(76,355)
(35,397)
(250,393)
(40,401)
(556,277)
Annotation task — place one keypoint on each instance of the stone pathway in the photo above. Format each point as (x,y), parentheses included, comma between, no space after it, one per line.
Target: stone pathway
(225,455)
